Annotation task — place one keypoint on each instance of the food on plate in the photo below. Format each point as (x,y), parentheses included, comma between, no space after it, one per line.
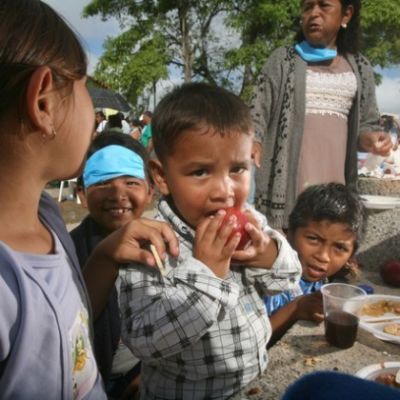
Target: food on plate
(392,329)
(380,308)
(388,379)
(390,272)
(241,221)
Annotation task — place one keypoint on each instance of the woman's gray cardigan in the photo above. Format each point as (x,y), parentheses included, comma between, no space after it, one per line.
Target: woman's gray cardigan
(278,109)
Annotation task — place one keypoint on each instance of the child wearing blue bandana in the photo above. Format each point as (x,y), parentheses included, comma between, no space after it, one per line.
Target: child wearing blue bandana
(325,228)
(117,188)
(313,108)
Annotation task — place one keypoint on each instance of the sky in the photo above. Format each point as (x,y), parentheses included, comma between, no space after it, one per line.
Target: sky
(93,32)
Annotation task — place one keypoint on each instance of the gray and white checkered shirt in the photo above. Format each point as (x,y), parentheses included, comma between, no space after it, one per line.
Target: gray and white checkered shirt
(199,336)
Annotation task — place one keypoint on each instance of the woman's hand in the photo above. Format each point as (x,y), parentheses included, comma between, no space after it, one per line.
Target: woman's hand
(378,143)
(213,245)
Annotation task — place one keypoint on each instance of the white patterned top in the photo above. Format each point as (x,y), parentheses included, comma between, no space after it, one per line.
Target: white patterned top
(329,93)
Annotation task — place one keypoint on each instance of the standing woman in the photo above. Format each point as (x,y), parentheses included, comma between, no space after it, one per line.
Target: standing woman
(46,125)
(313,107)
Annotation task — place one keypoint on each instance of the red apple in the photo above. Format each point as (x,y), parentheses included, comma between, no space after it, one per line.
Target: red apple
(241,221)
(390,272)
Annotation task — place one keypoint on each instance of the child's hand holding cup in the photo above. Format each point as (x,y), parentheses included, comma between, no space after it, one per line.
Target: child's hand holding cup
(341,305)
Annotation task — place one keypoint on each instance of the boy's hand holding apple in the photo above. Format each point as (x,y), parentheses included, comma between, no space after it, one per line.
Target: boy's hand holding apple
(233,235)
(215,242)
(258,249)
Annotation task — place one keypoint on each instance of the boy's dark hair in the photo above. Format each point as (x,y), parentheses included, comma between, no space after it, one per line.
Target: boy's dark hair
(330,201)
(115,121)
(348,39)
(148,114)
(193,105)
(135,122)
(32,35)
(110,138)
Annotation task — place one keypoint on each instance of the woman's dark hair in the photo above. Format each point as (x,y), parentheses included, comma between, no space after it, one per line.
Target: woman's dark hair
(32,35)
(333,202)
(109,138)
(348,39)
(193,106)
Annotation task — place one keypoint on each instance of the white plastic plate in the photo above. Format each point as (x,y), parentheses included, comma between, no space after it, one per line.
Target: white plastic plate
(376,328)
(372,371)
(380,202)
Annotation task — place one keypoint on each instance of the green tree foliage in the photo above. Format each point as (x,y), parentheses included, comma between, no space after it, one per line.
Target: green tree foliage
(263,26)
(381,26)
(157,35)
(186,37)
(267,24)
(128,71)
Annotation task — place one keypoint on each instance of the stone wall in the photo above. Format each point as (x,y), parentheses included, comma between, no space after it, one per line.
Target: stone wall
(382,241)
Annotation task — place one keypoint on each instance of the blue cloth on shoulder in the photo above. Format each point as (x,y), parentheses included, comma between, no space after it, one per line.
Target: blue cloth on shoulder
(273,303)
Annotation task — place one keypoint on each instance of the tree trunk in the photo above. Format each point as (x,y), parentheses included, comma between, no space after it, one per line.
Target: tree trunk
(187,55)
(154,94)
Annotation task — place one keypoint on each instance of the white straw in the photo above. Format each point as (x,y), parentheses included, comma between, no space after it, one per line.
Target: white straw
(159,263)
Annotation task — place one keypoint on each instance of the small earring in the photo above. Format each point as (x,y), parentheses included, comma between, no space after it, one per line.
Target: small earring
(50,137)
(344,25)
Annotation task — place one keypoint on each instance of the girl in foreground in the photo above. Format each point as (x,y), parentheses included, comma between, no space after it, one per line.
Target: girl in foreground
(46,124)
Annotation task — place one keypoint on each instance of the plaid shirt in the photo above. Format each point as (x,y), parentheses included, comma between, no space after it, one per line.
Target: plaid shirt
(199,336)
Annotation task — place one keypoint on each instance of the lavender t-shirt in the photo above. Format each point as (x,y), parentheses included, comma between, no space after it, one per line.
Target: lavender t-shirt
(57,272)
(45,351)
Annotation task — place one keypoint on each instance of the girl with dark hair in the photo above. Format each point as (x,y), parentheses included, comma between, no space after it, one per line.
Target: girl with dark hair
(46,125)
(314,105)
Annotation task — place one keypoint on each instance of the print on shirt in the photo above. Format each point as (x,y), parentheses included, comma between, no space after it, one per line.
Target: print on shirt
(84,369)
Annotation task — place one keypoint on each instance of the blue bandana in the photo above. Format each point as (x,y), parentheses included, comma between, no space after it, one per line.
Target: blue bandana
(112,162)
(314,54)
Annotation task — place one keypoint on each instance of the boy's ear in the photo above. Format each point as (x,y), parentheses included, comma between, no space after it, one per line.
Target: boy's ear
(157,171)
(40,98)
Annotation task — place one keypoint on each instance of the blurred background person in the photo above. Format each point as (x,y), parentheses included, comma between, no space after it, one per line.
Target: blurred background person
(146,136)
(101,121)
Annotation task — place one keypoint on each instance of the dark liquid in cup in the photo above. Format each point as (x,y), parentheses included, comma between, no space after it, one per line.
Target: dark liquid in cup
(341,329)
